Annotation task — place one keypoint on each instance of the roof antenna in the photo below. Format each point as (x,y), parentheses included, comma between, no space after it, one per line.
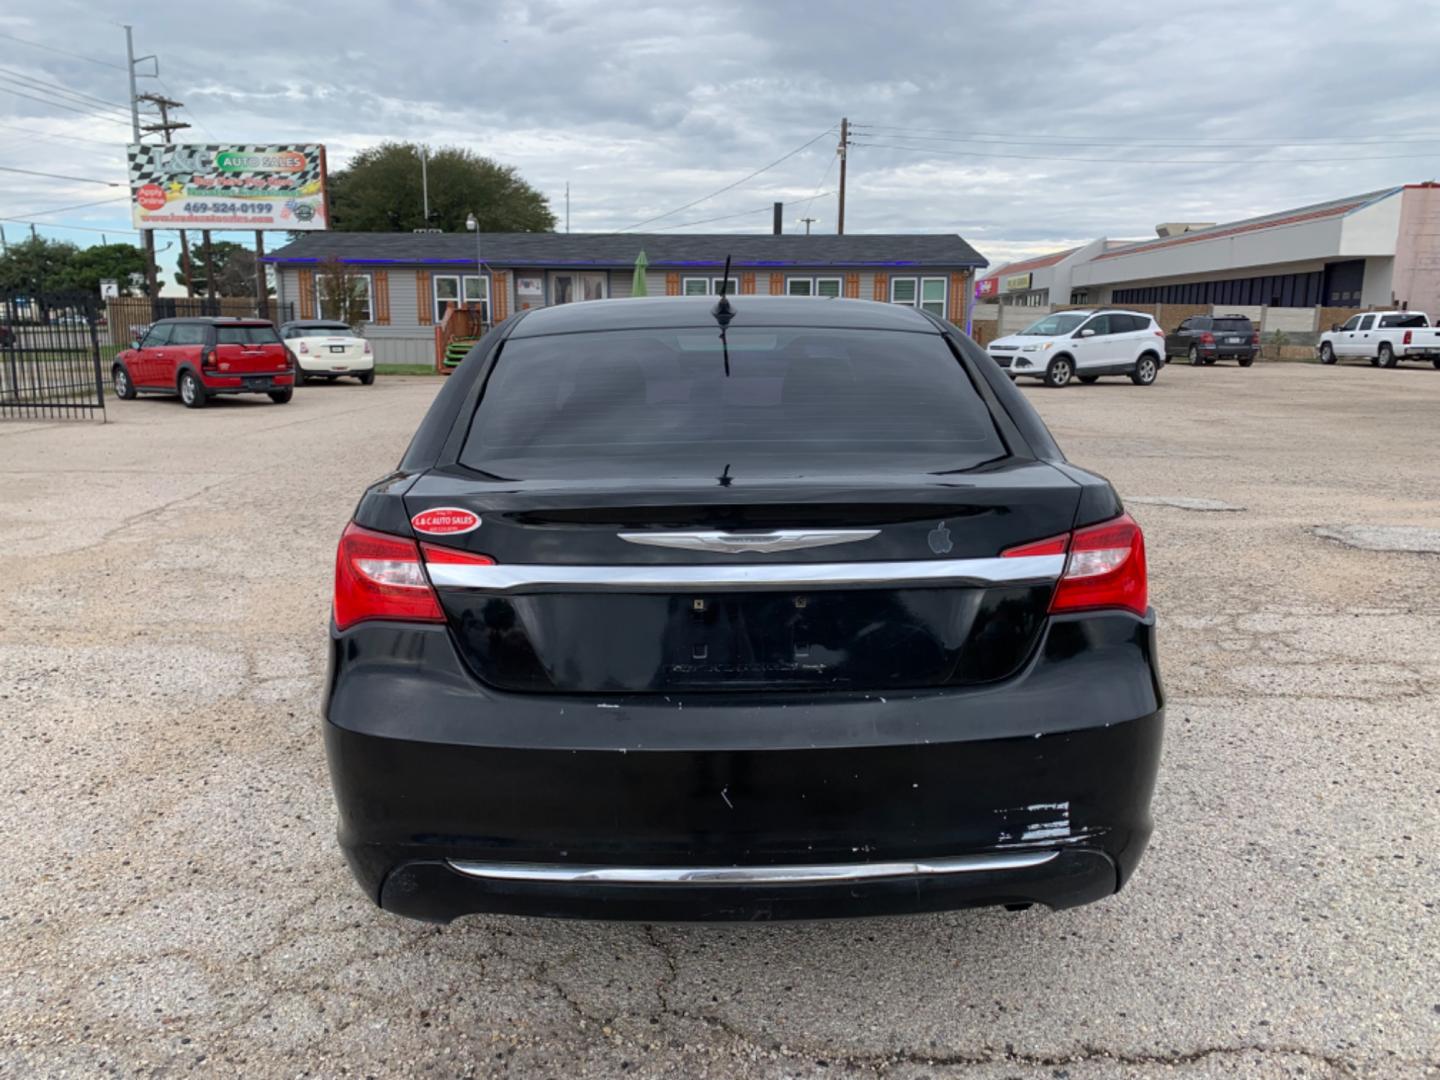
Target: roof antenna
(723,313)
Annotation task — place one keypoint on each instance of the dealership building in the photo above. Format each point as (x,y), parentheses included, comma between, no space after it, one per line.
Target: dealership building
(411,281)
(1376,249)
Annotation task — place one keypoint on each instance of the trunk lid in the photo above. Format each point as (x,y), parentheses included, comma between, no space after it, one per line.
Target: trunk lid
(245,349)
(847,582)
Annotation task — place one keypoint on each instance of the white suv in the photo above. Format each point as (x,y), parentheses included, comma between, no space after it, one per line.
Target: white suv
(1084,344)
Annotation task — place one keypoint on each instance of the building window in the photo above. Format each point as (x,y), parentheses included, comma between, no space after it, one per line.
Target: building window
(329,306)
(816,286)
(1079,296)
(928,294)
(699,286)
(447,292)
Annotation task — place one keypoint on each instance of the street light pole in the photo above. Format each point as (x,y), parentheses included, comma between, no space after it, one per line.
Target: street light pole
(473,223)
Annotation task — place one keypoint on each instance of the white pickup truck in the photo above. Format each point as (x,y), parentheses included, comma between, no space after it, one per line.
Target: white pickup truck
(1382,337)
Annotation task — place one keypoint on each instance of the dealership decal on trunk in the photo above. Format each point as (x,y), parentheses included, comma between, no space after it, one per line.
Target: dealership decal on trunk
(445,521)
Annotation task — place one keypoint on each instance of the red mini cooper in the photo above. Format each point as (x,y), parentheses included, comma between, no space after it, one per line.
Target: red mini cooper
(199,358)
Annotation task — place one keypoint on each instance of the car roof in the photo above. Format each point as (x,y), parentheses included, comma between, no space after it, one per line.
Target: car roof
(640,313)
(317,322)
(215,320)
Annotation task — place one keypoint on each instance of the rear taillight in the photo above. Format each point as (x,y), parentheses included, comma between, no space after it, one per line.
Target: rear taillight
(1255,337)
(303,349)
(379,576)
(367,348)
(207,357)
(1104,568)
(1408,338)
(1207,338)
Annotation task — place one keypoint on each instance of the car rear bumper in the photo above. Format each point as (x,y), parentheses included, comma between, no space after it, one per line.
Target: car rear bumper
(348,367)
(247,384)
(454,799)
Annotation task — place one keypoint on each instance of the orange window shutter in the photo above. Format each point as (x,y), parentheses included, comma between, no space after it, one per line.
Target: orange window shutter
(956,307)
(380,283)
(747,283)
(852,286)
(500,302)
(307,294)
(424,303)
(777,284)
(672,284)
(881,291)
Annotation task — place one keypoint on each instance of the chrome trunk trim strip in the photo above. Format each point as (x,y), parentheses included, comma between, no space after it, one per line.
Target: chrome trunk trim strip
(645,578)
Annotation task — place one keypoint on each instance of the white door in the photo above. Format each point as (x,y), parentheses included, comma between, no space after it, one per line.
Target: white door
(1098,348)
(1343,342)
(1364,337)
(569,286)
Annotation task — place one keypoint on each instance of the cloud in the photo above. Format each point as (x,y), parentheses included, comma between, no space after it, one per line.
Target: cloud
(962,111)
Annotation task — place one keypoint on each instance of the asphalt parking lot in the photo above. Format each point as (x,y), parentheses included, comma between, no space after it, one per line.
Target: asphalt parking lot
(174,903)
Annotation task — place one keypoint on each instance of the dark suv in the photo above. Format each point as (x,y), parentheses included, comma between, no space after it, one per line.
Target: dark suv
(1203,339)
(201,357)
(779,609)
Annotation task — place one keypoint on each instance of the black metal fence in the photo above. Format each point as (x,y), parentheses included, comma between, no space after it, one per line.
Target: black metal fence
(50,357)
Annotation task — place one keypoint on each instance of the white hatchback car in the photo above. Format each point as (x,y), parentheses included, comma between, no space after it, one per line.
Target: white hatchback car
(328,348)
(1084,344)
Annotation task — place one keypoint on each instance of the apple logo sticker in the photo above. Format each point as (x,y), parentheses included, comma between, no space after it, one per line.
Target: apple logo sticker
(940,540)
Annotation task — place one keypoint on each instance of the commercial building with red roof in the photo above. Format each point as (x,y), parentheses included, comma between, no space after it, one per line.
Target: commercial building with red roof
(1378,248)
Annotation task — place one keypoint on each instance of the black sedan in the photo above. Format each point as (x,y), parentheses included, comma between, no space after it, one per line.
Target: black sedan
(770,608)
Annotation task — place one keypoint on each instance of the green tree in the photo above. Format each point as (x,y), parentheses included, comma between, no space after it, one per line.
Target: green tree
(89,266)
(38,266)
(380,191)
(232,264)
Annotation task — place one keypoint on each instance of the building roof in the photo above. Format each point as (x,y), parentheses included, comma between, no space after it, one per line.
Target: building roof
(1039,262)
(618,250)
(1282,218)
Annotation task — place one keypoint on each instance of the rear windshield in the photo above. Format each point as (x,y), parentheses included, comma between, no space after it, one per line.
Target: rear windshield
(328,330)
(1403,320)
(1234,326)
(660,403)
(246,335)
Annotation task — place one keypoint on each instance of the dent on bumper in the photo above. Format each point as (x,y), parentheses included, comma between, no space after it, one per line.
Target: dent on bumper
(1058,763)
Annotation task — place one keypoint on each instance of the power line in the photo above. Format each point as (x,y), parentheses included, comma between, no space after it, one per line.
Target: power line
(1139,141)
(811,201)
(62,52)
(73,206)
(57,135)
(41,84)
(61,105)
(62,225)
(58,176)
(728,187)
(725,217)
(1143,161)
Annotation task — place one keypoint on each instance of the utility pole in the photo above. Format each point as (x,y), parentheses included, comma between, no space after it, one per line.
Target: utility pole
(844,143)
(164,104)
(425,183)
(147,235)
(209,265)
(808,222)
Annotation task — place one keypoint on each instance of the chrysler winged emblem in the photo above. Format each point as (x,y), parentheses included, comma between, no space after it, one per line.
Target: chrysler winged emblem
(763,542)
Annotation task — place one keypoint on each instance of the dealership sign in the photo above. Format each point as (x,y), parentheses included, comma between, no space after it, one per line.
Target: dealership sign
(190,186)
(1017,282)
(986,288)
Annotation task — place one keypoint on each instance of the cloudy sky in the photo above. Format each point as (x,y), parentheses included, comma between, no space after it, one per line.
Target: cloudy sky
(1024,128)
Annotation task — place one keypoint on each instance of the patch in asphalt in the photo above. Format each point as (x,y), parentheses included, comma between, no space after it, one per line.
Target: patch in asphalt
(1181,502)
(1383,537)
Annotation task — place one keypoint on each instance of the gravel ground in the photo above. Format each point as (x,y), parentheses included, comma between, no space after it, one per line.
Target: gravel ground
(174,903)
